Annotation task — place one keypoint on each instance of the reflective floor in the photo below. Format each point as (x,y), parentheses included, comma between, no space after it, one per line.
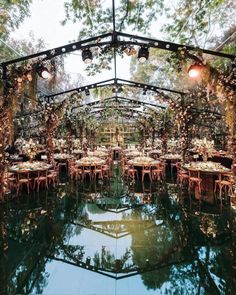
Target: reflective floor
(116,238)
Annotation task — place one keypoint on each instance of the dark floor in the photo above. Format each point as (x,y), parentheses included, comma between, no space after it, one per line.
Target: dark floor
(111,237)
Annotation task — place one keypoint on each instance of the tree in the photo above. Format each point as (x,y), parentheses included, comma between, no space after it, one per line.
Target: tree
(12,14)
(194,22)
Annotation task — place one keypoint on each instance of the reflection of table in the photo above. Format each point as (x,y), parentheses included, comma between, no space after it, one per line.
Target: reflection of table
(132,153)
(172,157)
(99,154)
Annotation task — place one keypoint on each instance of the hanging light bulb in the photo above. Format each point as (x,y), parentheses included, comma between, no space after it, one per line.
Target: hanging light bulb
(195,70)
(143,54)
(87,56)
(43,72)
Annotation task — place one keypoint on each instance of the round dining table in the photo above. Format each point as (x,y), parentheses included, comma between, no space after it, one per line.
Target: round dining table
(209,172)
(90,161)
(30,167)
(143,161)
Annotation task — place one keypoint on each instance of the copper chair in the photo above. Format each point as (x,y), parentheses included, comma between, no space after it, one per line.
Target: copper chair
(23,178)
(195,179)
(173,164)
(41,179)
(146,170)
(105,171)
(225,182)
(98,171)
(156,172)
(87,170)
(77,172)
(182,175)
(53,175)
(132,173)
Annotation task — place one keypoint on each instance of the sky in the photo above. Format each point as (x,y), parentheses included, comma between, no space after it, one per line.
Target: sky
(44,22)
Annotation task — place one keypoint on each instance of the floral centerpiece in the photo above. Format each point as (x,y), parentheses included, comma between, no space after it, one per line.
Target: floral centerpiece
(29,148)
(204,147)
(60,144)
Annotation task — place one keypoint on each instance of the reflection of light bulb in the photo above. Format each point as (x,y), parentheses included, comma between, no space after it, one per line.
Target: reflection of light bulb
(142,59)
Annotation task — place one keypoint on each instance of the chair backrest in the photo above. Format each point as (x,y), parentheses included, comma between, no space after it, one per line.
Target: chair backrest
(42,172)
(23,174)
(86,167)
(98,167)
(178,166)
(194,173)
(227,176)
(146,167)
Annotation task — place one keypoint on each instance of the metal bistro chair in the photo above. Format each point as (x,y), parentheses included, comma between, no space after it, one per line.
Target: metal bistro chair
(182,175)
(156,172)
(53,175)
(23,179)
(87,170)
(41,179)
(98,171)
(132,173)
(195,179)
(146,170)
(224,183)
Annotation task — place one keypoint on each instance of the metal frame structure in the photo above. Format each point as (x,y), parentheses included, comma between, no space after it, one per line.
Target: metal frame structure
(112,41)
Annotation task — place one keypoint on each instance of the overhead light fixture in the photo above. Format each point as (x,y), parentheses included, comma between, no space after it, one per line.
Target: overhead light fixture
(116,89)
(195,70)
(43,72)
(87,56)
(87,92)
(143,54)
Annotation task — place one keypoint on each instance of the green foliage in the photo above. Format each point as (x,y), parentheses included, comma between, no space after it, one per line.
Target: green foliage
(96,19)
(12,13)
(193,22)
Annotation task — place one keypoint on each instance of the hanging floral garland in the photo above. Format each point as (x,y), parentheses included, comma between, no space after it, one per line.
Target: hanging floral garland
(223,85)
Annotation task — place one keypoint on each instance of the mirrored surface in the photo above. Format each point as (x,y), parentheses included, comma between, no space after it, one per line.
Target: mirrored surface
(114,237)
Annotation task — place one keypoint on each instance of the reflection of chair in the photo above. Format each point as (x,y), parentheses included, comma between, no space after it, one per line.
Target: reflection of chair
(132,173)
(77,172)
(195,179)
(98,171)
(125,170)
(61,165)
(10,181)
(23,179)
(225,182)
(41,179)
(173,164)
(157,172)
(162,166)
(105,171)
(87,171)
(146,170)
(182,175)
(53,175)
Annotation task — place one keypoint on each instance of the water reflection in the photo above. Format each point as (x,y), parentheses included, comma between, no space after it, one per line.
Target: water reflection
(151,236)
